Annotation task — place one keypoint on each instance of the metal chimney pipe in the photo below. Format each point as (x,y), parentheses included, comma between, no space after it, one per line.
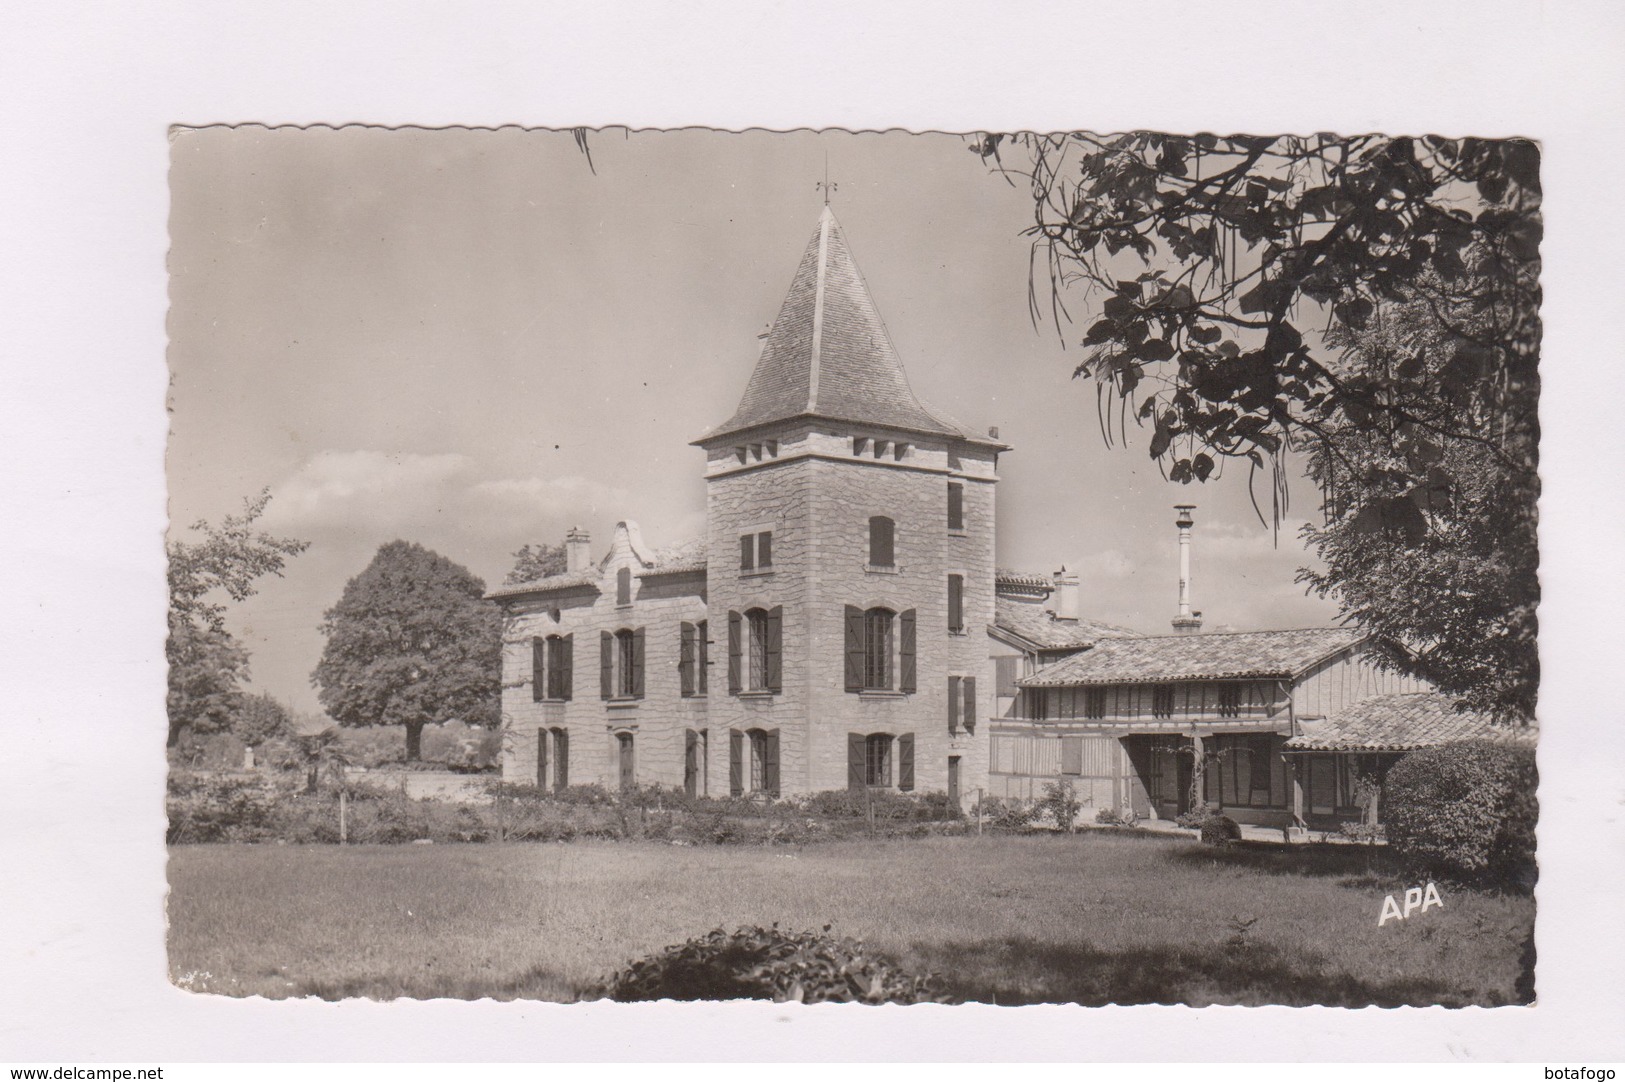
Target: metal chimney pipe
(1186,621)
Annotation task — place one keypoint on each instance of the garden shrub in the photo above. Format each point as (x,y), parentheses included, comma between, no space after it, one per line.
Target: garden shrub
(766,963)
(1002,814)
(1465,810)
(1193,819)
(1060,803)
(1111,817)
(1220,830)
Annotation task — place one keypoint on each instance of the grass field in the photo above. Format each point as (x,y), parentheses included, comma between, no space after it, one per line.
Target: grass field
(1094,918)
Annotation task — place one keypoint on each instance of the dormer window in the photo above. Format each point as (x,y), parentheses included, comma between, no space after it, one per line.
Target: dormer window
(623,586)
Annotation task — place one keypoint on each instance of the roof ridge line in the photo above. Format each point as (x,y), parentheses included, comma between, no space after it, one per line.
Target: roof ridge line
(815,353)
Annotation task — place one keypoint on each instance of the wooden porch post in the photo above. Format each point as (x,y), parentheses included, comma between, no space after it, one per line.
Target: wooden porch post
(1198,773)
(1297,790)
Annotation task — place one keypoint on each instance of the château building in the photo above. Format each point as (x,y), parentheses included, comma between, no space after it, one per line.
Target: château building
(842,624)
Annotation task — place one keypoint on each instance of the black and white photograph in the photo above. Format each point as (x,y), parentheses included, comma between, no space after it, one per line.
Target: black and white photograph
(768,536)
(865,567)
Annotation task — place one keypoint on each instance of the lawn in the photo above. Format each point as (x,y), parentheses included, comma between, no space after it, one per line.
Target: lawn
(1094,918)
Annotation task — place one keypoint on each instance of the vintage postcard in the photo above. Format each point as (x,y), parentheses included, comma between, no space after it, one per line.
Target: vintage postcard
(983,567)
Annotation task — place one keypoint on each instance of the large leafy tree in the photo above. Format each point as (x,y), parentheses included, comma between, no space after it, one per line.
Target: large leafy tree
(1239,287)
(411,641)
(260,718)
(224,563)
(534,562)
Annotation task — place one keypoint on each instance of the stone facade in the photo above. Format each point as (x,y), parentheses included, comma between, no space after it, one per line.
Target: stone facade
(827,439)
(581,611)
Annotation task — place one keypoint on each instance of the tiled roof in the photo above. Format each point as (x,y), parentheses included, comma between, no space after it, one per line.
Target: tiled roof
(673,559)
(676,559)
(1040,627)
(1230,656)
(829,354)
(1400,723)
(585,577)
(1005,575)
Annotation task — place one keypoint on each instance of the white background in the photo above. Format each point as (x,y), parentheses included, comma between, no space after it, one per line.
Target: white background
(86,95)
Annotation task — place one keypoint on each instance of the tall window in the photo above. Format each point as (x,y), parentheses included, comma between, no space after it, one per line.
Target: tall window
(625,663)
(551,662)
(621,664)
(877,633)
(557,660)
(755,649)
(756,626)
(623,586)
(756,551)
(882,535)
(956,603)
(693,658)
(1162,701)
(880,650)
(956,505)
(877,759)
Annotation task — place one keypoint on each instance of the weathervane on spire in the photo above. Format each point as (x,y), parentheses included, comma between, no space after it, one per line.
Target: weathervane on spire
(826,184)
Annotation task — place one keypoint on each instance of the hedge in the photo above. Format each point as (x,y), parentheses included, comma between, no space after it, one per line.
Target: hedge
(1465,810)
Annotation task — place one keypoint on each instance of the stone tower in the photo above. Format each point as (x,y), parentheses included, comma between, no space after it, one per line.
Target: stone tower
(850,560)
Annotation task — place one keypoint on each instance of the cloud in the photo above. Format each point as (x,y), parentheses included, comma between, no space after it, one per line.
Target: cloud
(369,493)
(336,483)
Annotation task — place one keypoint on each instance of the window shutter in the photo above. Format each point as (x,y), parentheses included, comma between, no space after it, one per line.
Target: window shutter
(736,762)
(953,704)
(968,685)
(956,602)
(691,763)
(538,670)
(747,552)
(733,653)
(854,761)
(854,648)
(637,664)
(905,651)
(1072,755)
(905,761)
(775,649)
(770,764)
(561,750)
(880,542)
(606,665)
(702,665)
(956,506)
(568,667)
(685,659)
(764,549)
(541,758)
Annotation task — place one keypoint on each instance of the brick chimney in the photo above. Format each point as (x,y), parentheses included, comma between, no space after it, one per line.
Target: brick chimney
(1187,621)
(1066,595)
(577,549)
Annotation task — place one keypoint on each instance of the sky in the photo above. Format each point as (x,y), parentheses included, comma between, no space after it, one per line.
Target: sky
(476,339)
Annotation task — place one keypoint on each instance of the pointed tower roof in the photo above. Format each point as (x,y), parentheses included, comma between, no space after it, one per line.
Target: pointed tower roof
(829,354)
